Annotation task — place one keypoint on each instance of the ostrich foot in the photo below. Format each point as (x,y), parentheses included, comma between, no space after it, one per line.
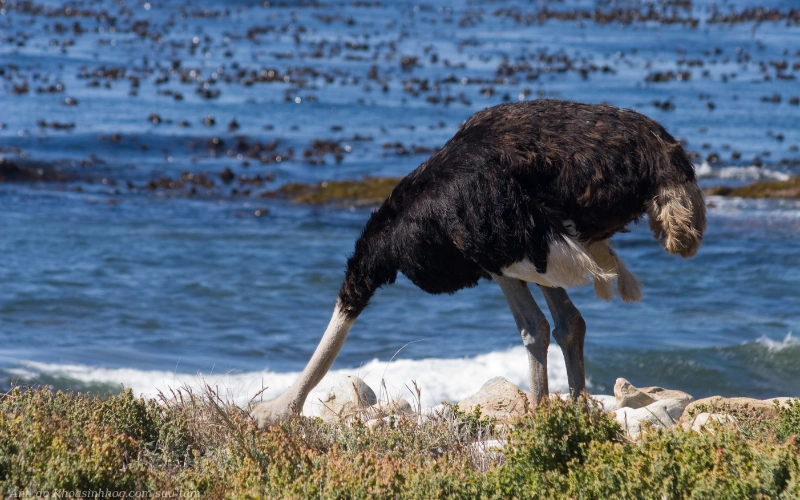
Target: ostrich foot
(274,412)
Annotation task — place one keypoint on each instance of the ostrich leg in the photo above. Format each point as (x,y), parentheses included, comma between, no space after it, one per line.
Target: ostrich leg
(569,332)
(534,329)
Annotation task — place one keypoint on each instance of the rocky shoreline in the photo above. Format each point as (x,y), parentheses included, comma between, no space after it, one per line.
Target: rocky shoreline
(349,398)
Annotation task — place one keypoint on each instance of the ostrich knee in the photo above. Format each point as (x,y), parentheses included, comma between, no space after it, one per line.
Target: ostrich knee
(570,331)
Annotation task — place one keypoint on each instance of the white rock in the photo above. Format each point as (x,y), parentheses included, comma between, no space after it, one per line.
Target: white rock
(397,406)
(338,396)
(659,394)
(606,402)
(706,421)
(498,398)
(638,397)
(628,396)
(440,410)
(782,402)
(718,404)
(663,414)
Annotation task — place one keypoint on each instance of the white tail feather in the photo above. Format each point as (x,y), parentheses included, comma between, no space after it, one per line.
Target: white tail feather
(569,265)
(628,286)
(630,290)
(600,253)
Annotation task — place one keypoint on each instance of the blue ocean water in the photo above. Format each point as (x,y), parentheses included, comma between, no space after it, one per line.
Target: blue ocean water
(115,271)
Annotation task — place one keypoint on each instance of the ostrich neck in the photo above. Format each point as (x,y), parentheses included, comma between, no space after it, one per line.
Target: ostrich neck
(323,356)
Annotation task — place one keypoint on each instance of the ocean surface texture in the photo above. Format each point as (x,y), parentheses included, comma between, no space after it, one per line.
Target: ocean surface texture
(141,246)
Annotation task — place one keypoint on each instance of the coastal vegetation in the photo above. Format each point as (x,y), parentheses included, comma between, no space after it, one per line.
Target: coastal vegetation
(190,445)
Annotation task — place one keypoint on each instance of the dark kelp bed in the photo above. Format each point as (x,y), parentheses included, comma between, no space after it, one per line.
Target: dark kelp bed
(368,191)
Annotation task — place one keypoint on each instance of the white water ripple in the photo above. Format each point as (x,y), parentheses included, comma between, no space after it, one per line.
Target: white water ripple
(752,172)
(776,346)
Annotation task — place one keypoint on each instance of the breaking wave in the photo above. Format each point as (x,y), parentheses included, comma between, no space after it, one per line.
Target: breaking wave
(440,379)
(752,172)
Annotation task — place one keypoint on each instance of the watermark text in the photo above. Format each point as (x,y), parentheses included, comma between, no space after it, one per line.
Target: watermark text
(101,493)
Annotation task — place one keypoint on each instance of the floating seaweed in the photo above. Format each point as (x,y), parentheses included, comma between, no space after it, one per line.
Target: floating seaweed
(365,192)
(789,188)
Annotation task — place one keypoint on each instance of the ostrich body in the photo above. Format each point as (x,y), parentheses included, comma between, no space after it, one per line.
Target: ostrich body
(524,192)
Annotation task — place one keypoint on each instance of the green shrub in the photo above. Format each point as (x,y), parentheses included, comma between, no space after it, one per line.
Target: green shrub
(71,441)
(681,464)
(542,447)
(558,433)
(473,424)
(788,419)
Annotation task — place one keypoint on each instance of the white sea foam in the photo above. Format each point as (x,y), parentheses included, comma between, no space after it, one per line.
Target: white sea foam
(752,172)
(774,346)
(755,209)
(440,379)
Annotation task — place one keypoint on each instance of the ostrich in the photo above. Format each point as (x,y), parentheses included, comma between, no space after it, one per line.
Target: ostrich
(527,192)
